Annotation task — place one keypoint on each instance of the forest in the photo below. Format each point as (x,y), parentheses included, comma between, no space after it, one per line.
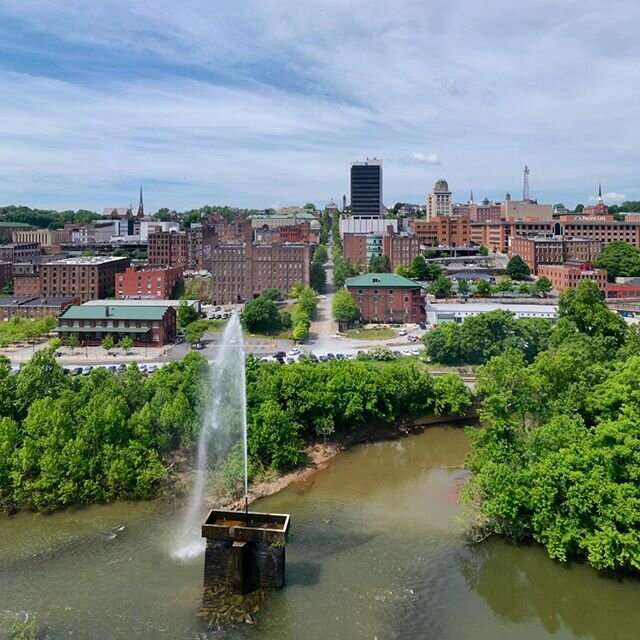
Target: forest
(559,459)
(68,440)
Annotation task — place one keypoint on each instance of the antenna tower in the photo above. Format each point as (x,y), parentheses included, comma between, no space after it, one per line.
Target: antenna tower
(525,183)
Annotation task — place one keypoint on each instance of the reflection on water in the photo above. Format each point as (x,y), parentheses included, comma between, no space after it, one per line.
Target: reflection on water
(375,552)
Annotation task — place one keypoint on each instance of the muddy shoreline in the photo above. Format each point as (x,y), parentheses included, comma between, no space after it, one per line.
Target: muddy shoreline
(320,454)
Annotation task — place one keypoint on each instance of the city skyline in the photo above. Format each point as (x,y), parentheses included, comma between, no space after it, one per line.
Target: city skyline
(266,105)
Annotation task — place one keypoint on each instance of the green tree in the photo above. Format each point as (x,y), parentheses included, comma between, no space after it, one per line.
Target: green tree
(193,333)
(342,269)
(379,264)
(619,258)
(126,344)
(271,294)
(260,314)
(185,314)
(543,286)
(295,290)
(442,286)
(483,288)
(72,341)
(310,206)
(318,276)
(483,251)
(286,322)
(344,307)
(300,331)
(107,343)
(517,268)
(579,208)
(320,255)
(585,308)
(463,287)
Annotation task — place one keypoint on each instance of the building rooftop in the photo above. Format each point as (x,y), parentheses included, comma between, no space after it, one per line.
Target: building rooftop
(115,312)
(132,302)
(485,307)
(35,301)
(382,280)
(88,260)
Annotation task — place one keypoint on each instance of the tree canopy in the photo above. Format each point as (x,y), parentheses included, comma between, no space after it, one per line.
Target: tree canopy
(619,258)
(344,307)
(517,268)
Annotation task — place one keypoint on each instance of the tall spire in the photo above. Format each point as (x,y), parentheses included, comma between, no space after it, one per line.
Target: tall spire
(471,197)
(141,205)
(599,192)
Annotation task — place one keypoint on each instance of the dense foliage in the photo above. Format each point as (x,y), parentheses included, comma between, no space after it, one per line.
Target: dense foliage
(45,218)
(517,268)
(290,405)
(481,337)
(68,440)
(344,307)
(21,330)
(619,258)
(560,461)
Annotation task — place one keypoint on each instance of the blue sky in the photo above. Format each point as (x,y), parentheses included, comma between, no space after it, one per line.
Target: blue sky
(265,103)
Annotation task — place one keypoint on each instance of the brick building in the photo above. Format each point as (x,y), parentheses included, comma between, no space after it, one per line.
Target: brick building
(6,274)
(26,285)
(7,229)
(538,250)
(620,291)
(34,306)
(567,276)
(147,282)
(151,325)
(359,248)
(387,297)
(445,231)
(400,248)
(17,251)
(604,229)
(475,212)
(167,248)
(88,277)
(242,270)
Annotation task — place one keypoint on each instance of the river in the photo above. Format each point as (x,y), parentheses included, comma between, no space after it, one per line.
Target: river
(375,552)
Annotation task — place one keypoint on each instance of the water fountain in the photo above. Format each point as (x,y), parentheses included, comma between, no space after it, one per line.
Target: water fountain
(244,550)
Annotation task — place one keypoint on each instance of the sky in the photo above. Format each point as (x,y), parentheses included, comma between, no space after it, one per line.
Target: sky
(265,103)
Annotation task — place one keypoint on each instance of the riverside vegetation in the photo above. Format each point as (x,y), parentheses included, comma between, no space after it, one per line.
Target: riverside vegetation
(559,459)
(79,440)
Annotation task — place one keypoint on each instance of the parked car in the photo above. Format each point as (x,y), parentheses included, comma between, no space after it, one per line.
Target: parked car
(340,356)
(402,332)
(313,357)
(279,354)
(290,360)
(330,356)
(151,368)
(423,326)
(112,368)
(322,358)
(414,352)
(76,371)
(87,370)
(121,368)
(199,346)
(294,352)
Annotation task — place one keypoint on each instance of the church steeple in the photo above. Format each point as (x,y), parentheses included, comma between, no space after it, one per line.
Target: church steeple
(140,205)
(599,192)
(471,197)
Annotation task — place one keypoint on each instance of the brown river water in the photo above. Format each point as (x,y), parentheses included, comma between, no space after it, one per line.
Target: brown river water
(376,552)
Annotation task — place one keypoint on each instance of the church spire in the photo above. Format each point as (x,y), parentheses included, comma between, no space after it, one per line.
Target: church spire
(140,205)
(599,192)
(471,197)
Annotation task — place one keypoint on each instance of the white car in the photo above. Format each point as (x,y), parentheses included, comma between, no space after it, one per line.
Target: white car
(293,352)
(414,352)
(406,352)
(402,332)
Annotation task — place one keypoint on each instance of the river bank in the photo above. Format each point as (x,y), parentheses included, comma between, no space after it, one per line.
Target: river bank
(320,454)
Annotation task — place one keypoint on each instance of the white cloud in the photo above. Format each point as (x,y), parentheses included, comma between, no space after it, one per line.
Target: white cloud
(611,197)
(266,101)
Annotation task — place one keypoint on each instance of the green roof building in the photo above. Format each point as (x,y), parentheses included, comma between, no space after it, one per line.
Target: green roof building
(387,298)
(146,325)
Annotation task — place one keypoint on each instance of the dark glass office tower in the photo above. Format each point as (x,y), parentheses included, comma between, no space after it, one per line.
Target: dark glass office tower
(366,189)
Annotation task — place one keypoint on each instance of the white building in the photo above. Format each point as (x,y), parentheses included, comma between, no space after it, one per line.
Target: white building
(439,200)
(457,312)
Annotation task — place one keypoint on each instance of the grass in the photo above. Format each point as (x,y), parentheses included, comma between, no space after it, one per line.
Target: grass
(280,334)
(375,333)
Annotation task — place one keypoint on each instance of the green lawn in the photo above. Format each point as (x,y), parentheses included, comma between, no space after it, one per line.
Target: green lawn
(375,333)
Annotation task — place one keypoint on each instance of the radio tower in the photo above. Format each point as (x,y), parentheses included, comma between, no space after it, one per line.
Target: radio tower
(525,183)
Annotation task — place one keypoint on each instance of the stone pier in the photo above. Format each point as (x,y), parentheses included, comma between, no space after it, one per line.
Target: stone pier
(244,552)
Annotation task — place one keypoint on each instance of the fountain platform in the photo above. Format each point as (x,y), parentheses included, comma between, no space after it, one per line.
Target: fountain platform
(245,550)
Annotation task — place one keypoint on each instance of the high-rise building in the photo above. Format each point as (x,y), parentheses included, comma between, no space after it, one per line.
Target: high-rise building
(439,200)
(366,188)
